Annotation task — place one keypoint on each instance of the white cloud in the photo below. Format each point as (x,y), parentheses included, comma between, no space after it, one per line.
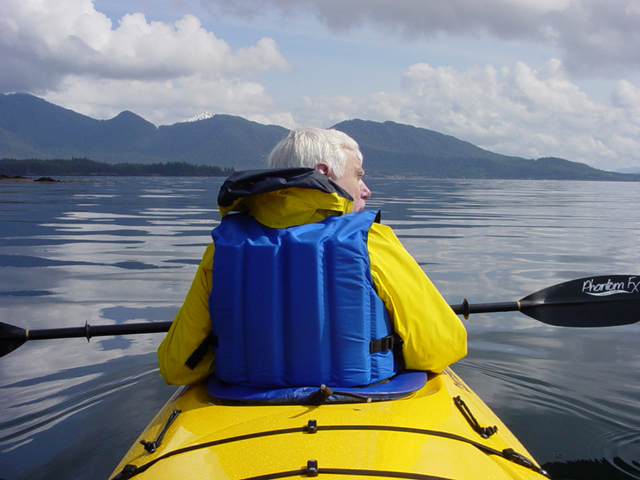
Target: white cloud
(163,101)
(515,111)
(67,51)
(76,38)
(596,37)
(166,71)
(627,96)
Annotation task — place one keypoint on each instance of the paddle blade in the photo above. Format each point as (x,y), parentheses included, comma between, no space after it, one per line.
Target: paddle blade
(603,301)
(11,337)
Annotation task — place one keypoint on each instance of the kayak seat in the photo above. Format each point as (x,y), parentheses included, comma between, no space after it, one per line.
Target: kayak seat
(396,387)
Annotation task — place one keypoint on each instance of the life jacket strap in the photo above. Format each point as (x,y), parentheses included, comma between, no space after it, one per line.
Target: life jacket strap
(198,354)
(384,344)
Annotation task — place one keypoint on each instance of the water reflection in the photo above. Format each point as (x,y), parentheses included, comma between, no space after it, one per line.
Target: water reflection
(123,250)
(74,422)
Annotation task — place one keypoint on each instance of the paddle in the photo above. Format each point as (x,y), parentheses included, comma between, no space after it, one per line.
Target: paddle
(12,337)
(603,301)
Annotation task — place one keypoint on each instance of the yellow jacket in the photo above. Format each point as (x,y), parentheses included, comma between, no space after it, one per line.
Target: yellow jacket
(433,335)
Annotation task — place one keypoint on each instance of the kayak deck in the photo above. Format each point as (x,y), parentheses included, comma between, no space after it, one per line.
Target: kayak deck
(427,435)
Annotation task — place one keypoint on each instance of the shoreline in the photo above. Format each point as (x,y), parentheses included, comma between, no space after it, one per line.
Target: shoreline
(20,178)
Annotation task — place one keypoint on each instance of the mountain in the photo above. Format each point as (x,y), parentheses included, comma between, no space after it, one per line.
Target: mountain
(31,127)
(392,148)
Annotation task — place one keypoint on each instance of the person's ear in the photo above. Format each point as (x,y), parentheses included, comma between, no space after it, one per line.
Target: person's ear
(323,168)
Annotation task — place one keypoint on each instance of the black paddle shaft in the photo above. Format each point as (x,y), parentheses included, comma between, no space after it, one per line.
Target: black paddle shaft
(89,331)
(465,308)
(12,337)
(603,301)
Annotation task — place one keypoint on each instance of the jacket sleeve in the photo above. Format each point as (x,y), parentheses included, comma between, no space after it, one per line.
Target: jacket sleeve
(188,330)
(434,336)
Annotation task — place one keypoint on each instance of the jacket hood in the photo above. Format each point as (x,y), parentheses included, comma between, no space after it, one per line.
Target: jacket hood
(280,198)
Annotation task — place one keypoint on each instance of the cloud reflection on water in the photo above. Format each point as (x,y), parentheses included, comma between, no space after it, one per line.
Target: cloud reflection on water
(131,254)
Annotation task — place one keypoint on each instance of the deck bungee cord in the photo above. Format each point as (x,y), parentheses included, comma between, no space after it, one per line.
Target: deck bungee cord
(312,427)
(442,430)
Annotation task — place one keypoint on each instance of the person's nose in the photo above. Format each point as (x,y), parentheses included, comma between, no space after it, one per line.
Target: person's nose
(365,193)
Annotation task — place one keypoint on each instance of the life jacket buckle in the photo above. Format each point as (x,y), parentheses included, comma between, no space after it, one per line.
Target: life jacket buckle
(384,344)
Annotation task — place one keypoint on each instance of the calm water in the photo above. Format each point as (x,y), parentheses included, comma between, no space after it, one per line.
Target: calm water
(116,250)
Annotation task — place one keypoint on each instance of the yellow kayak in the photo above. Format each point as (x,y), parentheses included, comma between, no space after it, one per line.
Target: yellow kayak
(442,431)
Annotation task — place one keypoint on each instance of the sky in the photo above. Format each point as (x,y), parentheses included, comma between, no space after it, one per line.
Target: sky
(530,78)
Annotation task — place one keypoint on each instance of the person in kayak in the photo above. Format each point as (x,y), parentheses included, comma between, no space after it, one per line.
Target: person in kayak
(306,287)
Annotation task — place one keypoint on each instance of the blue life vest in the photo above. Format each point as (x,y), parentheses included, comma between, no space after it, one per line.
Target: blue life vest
(297,306)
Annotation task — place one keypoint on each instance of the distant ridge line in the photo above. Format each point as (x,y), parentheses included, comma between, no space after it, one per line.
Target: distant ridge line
(32,128)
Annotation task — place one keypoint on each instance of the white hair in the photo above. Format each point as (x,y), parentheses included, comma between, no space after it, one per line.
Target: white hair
(307,147)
